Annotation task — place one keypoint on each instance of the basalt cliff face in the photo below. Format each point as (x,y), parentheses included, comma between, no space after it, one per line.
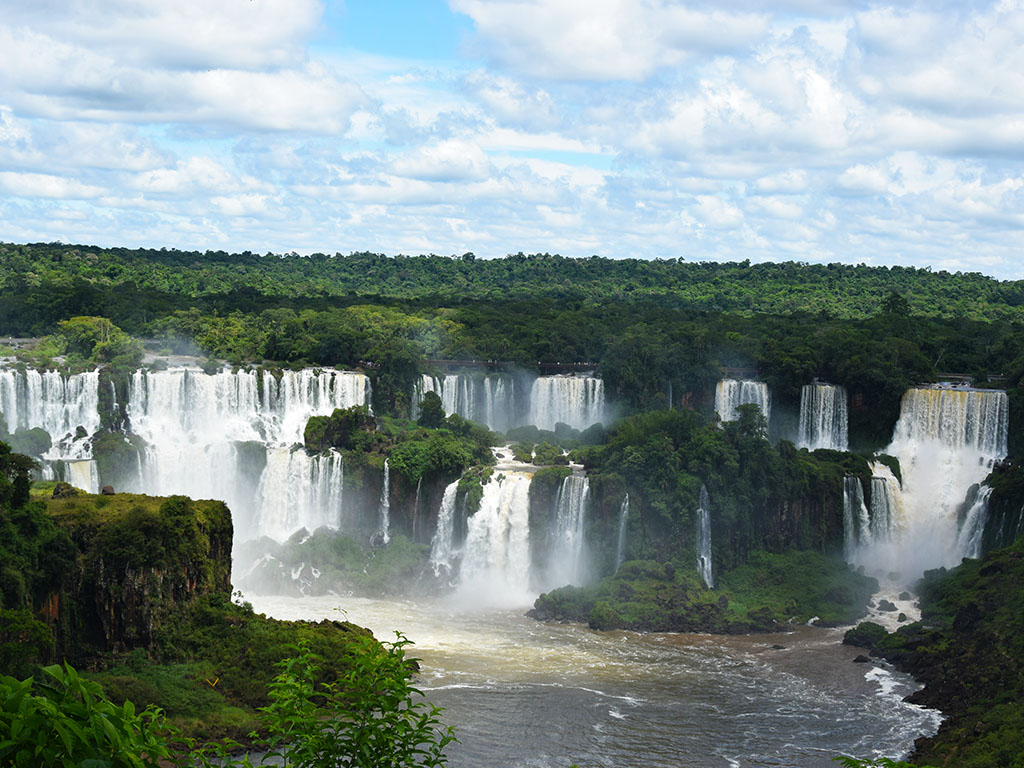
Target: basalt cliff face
(140,561)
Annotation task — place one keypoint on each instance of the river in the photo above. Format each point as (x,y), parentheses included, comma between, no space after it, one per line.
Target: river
(525,694)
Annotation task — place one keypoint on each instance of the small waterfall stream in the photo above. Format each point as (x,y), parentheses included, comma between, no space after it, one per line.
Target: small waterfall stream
(385,505)
(620,549)
(443,551)
(973,526)
(704,538)
(567,556)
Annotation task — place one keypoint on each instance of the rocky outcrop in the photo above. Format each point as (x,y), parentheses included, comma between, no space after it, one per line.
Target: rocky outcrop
(140,559)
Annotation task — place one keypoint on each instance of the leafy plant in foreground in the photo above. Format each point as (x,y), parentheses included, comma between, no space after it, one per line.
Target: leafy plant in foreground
(64,720)
(372,717)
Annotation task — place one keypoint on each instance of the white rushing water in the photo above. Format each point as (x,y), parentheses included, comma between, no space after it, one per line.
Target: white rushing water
(496,557)
(385,505)
(60,405)
(526,694)
(443,550)
(973,526)
(206,435)
(296,491)
(856,518)
(574,400)
(704,538)
(946,441)
(732,393)
(488,400)
(620,549)
(567,563)
(823,417)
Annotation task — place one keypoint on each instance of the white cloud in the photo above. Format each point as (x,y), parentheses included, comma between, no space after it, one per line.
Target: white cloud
(852,131)
(717,213)
(452,160)
(603,39)
(45,185)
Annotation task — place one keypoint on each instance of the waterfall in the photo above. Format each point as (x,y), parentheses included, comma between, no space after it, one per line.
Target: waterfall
(82,473)
(416,507)
(973,526)
(946,441)
(888,515)
(496,555)
(574,400)
(620,550)
(704,539)
(566,564)
(442,547)
(730,394)
(56,403)
(297,491)
(856,518)
(823,417)
(385,505)
(205,434)
(488,400)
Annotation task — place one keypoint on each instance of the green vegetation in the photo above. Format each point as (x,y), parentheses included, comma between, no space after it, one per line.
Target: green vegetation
(137,588)
(766,594)
(63,720)
(369,715)
(648,325)
(415,451)
(968,649)
(76,278)
(385,721)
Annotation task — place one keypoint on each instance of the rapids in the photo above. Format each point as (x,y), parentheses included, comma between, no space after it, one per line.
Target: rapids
(524,694)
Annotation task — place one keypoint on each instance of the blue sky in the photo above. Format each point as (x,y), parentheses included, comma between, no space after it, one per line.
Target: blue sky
(860,132)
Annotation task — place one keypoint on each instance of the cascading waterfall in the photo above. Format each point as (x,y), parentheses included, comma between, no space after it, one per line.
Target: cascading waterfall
(443,551)
(731,393)
(856,518)
(58,404)
(620,550)
(946,441)
(704,538)
(973,526)
(204,433)
(297,491)
(888,515)
(823,417)
(574,400)
(496,555)
(488,400)
(567,556)
(385,505)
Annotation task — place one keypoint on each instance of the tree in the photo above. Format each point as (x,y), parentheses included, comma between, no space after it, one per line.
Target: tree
(431,411)
(895,304)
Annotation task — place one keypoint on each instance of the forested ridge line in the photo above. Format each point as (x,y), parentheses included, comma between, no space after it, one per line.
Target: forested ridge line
(834,290)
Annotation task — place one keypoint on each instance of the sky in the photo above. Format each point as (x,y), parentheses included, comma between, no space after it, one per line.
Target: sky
(808,130)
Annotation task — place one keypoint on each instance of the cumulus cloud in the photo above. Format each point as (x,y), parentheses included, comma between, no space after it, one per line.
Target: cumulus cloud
(603,39)
(839,130)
